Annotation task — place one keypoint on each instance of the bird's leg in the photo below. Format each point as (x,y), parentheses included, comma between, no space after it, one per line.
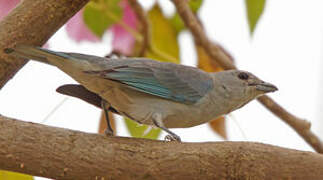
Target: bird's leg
(157,120)
(109,130)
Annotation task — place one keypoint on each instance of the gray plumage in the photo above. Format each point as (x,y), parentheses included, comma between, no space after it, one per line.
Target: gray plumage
(150,92)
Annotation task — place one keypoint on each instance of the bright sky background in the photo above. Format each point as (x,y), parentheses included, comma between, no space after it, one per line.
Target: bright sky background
(285,50)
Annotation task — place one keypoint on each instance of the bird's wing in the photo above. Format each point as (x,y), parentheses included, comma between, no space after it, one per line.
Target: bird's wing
(167,80)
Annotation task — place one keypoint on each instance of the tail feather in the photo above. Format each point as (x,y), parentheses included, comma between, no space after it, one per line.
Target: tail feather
(34,53)
(67,62)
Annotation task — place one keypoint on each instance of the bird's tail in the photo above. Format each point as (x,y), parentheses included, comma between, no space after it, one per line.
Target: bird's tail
(35,53)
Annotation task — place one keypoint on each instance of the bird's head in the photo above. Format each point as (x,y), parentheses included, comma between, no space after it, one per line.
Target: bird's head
(241,86)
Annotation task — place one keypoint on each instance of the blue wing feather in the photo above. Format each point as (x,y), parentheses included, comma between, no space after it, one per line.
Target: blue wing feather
(161,82)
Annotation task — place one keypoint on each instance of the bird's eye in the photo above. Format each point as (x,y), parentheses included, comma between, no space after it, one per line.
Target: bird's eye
(243,76)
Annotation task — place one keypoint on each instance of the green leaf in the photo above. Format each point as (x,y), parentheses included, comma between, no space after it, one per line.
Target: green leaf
(177,23)
(195,5)
(176,20)
(255,9)
(164,45)
(96,20)
(7,175)
(100,14)
(137,130)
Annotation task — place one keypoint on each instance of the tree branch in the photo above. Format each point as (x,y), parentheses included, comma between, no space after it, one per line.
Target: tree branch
(65,154)
(144,25)
(32,22)
(302,127)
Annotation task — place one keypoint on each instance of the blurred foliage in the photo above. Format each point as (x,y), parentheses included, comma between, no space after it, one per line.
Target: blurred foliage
(218,126)
(176,20)
(99,15)
(195,5)
(141,131)
(204,61)
(7,175)
(255,9)
(163,46)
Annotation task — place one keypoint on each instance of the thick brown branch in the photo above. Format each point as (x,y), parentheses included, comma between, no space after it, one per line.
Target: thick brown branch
(220,57)
(32,22)
(65,154)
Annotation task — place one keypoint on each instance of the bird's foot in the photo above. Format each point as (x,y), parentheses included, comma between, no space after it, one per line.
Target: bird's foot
(173,138)
(108,132)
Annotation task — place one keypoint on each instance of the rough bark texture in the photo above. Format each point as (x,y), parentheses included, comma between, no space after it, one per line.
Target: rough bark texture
(65,154)
(32,22)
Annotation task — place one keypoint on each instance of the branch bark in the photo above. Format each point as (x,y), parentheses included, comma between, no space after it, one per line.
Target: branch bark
(302,127)
(32,22)
(65,154)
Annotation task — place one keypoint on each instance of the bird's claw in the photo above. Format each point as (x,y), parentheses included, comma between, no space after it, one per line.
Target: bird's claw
(108,132)
(173,138)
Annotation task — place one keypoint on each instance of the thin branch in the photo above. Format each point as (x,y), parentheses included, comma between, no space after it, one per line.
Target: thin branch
(301,126)
(193,24)
(32,22)
(58,153)
(145,30)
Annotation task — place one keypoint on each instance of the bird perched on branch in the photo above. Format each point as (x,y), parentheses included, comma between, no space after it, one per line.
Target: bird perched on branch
(165,95)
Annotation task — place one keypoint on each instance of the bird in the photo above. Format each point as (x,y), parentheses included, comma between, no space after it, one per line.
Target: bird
(162,94)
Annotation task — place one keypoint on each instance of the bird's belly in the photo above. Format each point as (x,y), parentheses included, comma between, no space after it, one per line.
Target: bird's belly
(141,107)
(174,114)
(195,114)
(187,116)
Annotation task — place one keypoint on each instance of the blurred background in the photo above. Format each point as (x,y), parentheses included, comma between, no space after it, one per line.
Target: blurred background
(284,48)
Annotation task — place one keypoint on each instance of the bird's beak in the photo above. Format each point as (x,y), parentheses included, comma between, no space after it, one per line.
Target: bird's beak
(266,87)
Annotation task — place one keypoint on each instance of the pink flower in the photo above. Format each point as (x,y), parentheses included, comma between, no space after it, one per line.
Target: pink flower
(6,6)
(77,29)
(123,41)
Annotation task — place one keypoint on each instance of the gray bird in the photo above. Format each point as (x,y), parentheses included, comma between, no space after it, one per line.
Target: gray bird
(165,95)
